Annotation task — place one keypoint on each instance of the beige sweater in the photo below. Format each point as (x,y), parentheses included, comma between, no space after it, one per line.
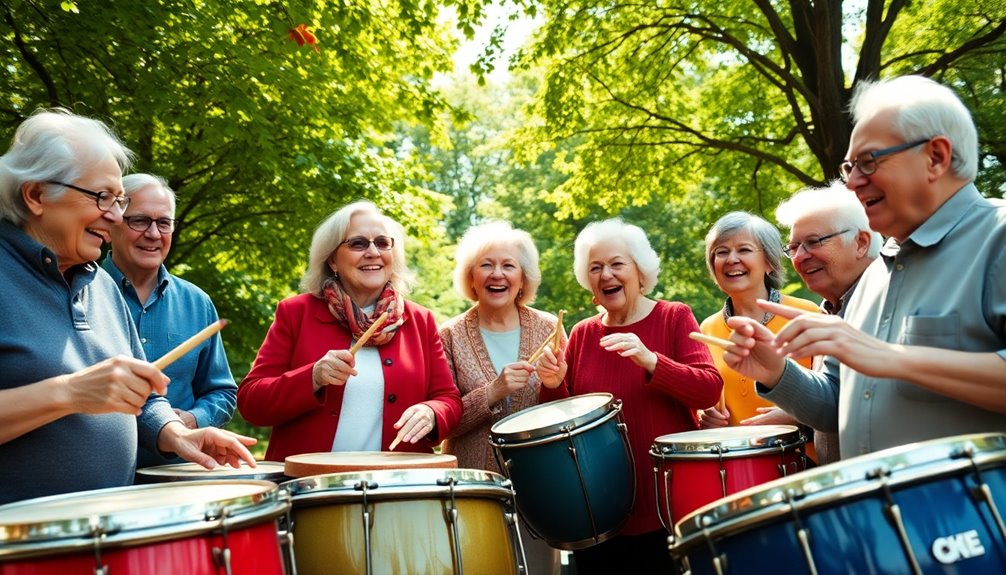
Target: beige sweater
(473,371)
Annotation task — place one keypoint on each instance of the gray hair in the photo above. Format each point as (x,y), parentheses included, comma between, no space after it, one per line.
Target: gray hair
(632,236)
(136,182)
(332,232)
(765,235)
(843,209)
(923,109)
(480,239)
(53,145)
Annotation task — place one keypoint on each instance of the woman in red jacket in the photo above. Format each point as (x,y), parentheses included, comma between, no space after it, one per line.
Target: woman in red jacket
(314,393)
(637,349)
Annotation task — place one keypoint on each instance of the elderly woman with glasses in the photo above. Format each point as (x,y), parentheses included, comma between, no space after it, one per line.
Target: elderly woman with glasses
(496,268)
(76,394)
(315,393)
(744,256)
(637,348)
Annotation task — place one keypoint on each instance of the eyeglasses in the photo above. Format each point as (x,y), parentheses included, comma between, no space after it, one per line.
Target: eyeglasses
(362,244)
(792,249)
(142,223)
(105,200)
(867,161)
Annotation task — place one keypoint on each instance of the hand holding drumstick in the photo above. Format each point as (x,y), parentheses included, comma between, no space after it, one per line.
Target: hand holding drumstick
(337,365)
(415,423)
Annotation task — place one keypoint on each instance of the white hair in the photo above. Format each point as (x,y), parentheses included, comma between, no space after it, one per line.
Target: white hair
(632,236)
(843,209)
(923,109)
(136,182)
(765,235)
(480,239)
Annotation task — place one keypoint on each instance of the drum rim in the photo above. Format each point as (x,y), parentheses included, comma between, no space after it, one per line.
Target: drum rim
(552,428)
(843,480)
(140,525)
(396,484)
(736,447)
(171,471)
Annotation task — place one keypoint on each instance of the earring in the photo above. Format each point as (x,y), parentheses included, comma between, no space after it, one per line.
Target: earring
(520,294)
(593,300)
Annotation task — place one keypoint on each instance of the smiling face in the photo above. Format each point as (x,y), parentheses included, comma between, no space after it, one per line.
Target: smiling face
(497,278)
(739,264)
(136,253)
(897,197)
(363,274)
(614,277)
(831,268)
(72,226)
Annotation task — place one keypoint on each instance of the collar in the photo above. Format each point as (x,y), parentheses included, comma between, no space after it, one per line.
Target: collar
(163,277)
(938,225)
(37,256)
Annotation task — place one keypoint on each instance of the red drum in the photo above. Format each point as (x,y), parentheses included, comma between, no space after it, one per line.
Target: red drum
(196,528)
(694,468)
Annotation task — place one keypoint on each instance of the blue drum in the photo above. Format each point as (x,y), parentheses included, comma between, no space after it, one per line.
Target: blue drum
(571,468)
(929,507)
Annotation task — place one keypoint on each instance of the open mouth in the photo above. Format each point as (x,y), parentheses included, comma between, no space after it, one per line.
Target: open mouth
(611,290)
(735,274)
(100,234)
(497,289)
(371,268)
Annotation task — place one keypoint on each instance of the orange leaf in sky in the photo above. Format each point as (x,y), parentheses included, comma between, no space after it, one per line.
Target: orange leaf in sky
(301,35)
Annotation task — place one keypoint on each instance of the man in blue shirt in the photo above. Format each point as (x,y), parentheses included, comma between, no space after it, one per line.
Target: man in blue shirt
(167,310)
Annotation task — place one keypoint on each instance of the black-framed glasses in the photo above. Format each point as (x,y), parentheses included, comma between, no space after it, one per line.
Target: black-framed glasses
(809,245)
(362,244)
(867,161)
(142,223)
(104,200)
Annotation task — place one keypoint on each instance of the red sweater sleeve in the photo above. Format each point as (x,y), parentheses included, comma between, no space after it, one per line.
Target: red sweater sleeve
(691,376)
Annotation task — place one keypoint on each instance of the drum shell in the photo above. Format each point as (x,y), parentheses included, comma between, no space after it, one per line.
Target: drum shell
(157,547)
(844,509)
(409,531)
(552,488)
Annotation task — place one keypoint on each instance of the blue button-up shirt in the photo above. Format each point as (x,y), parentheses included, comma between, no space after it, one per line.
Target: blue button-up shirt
(201,380)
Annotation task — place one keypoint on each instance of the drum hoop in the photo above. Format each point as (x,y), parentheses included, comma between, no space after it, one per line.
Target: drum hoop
(790,444)
(546,433)
(666,444)
(397,484)
(68,535)
(824,486)
(616,412)
(169,473)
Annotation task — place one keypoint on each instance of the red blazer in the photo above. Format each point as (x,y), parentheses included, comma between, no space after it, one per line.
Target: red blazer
(278,391)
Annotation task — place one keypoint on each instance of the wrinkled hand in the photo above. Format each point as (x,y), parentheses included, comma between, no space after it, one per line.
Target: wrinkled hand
(416,423)
(207,446)
(551,368)
(712,418)
(628,345)
(513,378)
(770,416)
(187,418)
(811,334)
(119,384)
(334,368)
(753,354)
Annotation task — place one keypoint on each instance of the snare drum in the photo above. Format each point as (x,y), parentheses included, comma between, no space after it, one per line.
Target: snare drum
(308,464)
(694,468)
(443,521)
(931,507)
(264,470)
(197,528)
(571,468)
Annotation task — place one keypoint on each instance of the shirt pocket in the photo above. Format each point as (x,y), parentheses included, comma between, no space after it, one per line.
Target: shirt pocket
(943,331)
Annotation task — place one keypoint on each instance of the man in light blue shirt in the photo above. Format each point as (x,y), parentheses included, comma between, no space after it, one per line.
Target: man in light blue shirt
(923,345)
(167,310)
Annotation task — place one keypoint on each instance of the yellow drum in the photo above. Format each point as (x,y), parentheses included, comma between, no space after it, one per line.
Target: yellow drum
(307,464)
(415,521)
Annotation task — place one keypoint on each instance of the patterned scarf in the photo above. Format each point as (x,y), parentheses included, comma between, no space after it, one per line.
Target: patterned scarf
(351,317)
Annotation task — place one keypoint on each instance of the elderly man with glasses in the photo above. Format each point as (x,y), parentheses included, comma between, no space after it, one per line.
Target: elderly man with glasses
(921,353)
(167,309)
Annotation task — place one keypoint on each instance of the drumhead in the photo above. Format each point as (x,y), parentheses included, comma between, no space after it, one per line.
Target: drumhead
(831,483)
(726,440)
(548,418)
(397,484)
(319,463)
(129,512)
(264,470)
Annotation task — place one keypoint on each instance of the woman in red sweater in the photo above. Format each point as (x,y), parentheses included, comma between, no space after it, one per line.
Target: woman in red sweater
(637,349)
(305,383)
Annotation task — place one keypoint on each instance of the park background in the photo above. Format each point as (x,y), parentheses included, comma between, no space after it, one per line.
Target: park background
(267,116)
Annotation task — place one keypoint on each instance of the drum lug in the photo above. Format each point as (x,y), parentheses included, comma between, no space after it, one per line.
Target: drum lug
(981,491)
(719,560)
(451,515)
(222,554)
(668,524)
(802,533)
(723,471)
(98,533)
(893,512)
(368,522)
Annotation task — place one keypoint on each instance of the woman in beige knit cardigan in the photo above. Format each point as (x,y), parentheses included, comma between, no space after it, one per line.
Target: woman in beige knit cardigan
(496,267)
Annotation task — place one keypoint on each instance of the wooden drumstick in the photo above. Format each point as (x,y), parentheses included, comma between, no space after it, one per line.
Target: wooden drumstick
(189,344)
(370,331)
(558,332)
(394,444)
(710,340)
